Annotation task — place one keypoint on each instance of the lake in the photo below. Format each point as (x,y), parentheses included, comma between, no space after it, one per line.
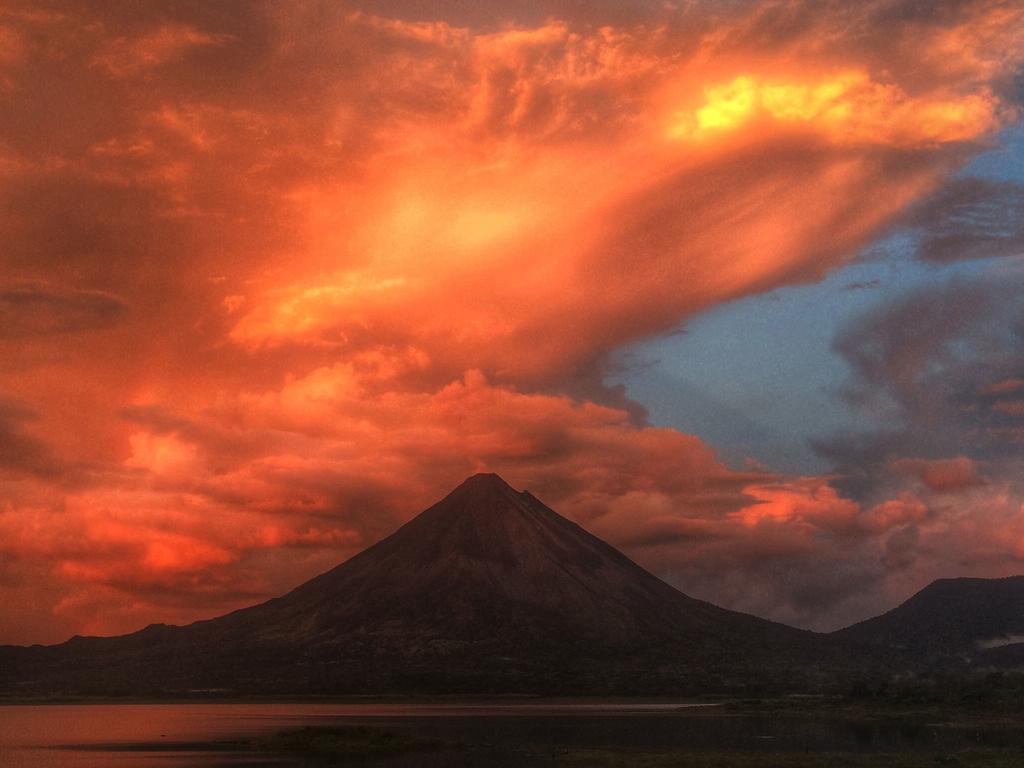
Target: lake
(216,734)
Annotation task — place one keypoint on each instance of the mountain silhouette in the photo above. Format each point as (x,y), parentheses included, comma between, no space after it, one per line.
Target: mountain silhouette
(489,590)
(976,621)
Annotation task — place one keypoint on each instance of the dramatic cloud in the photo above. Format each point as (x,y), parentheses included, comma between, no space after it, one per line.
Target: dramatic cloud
(124,57)
(942,475)
(29,310)
(972,219)
(274,277)
(939,369)
(20,451)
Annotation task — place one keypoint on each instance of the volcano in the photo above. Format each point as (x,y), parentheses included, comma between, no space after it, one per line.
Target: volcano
(487,591)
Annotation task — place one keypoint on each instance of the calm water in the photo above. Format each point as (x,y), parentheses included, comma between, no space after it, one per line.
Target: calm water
(179,735)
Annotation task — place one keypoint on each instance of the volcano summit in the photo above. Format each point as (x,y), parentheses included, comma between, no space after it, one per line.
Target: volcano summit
(489,590)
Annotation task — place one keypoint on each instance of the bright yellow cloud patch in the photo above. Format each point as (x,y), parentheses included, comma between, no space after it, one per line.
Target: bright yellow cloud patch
(848,107)
(728,105)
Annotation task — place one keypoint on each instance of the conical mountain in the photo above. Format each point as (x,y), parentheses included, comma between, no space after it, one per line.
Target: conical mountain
(488,562)
(489,590)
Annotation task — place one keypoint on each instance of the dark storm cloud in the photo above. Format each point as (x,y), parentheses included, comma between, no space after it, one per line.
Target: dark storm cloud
(940,373)
(862,285)
(936,368)
(21,453)
(33,310)
(972,218)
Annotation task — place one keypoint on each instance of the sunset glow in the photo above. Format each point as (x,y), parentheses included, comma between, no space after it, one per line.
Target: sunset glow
(277,275)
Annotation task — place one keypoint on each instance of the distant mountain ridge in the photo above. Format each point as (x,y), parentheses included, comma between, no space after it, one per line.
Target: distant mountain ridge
(978,621)
(491,591)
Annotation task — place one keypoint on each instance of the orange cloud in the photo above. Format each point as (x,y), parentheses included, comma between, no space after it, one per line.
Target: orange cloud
(334,460)
(315,265)
(1005,387)
(848,108)
(537,185)
(942,475)
(803,500)
(124,56)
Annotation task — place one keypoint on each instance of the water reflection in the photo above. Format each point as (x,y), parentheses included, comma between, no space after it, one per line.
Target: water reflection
(220,735)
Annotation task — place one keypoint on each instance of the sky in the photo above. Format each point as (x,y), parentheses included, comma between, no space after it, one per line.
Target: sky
(735,284)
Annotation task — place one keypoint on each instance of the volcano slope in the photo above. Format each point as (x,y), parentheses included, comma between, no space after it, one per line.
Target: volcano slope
(487,591)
